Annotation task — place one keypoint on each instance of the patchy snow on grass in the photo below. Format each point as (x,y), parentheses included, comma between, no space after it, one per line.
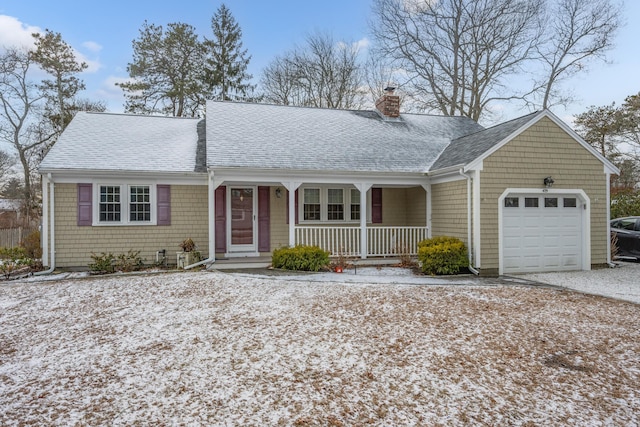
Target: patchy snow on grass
(211,348)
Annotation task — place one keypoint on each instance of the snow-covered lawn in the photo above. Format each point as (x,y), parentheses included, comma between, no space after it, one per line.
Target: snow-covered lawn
(210,348)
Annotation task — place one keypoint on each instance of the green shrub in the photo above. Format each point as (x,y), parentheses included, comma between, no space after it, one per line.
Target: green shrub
(625,204)
(442,255)
(31,244)
(103,263)
(131,261)
(13,254)
(14,260)
(302,258)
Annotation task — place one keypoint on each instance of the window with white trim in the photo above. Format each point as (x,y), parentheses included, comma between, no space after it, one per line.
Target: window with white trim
(330,203)
(121,204)
(139,203)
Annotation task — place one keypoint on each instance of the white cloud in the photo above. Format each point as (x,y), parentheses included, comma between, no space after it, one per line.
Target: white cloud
(363,43)
(92,46)
(14,33)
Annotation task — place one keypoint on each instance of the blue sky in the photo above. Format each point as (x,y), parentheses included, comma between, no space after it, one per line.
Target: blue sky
(101,33)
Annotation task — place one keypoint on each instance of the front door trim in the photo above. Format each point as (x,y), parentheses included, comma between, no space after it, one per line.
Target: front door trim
(249,249)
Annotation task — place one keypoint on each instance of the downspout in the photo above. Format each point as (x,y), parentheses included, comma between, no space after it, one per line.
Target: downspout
(469,222)
(609,260)
(212,228)
(52,227)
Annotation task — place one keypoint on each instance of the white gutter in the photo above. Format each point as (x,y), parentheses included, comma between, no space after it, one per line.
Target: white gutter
(469,222)
(212,226)
(52,226)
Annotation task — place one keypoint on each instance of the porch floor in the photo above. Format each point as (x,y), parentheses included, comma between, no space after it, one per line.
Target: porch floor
(265,261)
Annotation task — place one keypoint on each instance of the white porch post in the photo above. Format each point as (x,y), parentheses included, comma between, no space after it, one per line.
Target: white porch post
(291,188)
(212,218)
(427,189)
(363,188)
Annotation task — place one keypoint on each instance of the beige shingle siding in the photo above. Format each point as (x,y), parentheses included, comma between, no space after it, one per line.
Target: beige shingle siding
(278,218)
(449,209)
(542,150)
(416,200)
(74,244)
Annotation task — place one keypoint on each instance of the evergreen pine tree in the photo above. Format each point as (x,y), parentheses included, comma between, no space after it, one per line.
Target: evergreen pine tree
(225,72)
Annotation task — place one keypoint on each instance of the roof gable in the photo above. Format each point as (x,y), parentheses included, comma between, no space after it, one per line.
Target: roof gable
(470,150)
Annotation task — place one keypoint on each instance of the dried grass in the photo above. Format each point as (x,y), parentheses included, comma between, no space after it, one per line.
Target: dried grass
(215,349)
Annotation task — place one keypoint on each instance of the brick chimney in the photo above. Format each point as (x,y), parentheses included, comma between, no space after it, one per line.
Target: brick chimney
(389,104)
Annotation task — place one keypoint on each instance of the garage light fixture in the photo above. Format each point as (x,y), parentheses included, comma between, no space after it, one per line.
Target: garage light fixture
(548,182)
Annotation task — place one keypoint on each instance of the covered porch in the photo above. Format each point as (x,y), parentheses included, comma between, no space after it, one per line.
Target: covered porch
(355,215)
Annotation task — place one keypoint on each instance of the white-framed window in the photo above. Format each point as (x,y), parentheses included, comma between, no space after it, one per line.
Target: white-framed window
(355,205)
(329,203)
(124,204)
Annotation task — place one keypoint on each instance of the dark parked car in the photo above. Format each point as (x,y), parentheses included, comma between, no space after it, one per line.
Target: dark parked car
(627,230)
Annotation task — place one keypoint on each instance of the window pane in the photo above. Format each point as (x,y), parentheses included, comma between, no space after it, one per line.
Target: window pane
(531,202)
(570,202)
(511,202)
(334,195)
(550,202)
(355,204)
(311,195)
(335,204)
(311,207)
(335,212)
(140,206)
(109,208)
(627,224)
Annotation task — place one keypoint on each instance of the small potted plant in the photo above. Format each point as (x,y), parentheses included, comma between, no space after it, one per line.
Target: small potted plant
(185,257)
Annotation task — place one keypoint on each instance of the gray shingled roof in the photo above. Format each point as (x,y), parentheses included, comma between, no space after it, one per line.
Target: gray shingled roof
(268,136)
(467,148)
(125,142)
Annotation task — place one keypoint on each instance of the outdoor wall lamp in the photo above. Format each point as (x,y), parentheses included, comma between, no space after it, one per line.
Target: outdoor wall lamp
(278,192)
(548,182)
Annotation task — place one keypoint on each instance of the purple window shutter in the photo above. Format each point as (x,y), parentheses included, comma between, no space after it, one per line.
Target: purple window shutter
(376,205)
(85,204)
(164,204)
(295,196)
(221,218)
(264,229)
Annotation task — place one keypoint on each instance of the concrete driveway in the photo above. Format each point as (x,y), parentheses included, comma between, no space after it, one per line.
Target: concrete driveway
(621,282)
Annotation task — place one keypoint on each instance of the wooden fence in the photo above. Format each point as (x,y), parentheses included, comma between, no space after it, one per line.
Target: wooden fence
(11,237)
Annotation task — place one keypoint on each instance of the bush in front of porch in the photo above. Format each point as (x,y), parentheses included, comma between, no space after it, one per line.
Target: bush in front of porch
(442,255)
(302,258)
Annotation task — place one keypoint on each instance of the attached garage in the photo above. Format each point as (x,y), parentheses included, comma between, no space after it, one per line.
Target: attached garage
(545,231)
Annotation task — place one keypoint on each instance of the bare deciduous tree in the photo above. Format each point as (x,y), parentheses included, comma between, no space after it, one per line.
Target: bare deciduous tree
(6,163)
(579,31)
(459,53)
(19,103)
(324,73)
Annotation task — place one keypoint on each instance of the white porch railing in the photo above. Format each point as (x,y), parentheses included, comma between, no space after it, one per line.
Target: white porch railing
(337,240)
(381,241)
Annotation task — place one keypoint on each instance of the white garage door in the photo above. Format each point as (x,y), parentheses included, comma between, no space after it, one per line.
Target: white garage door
(541,233)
